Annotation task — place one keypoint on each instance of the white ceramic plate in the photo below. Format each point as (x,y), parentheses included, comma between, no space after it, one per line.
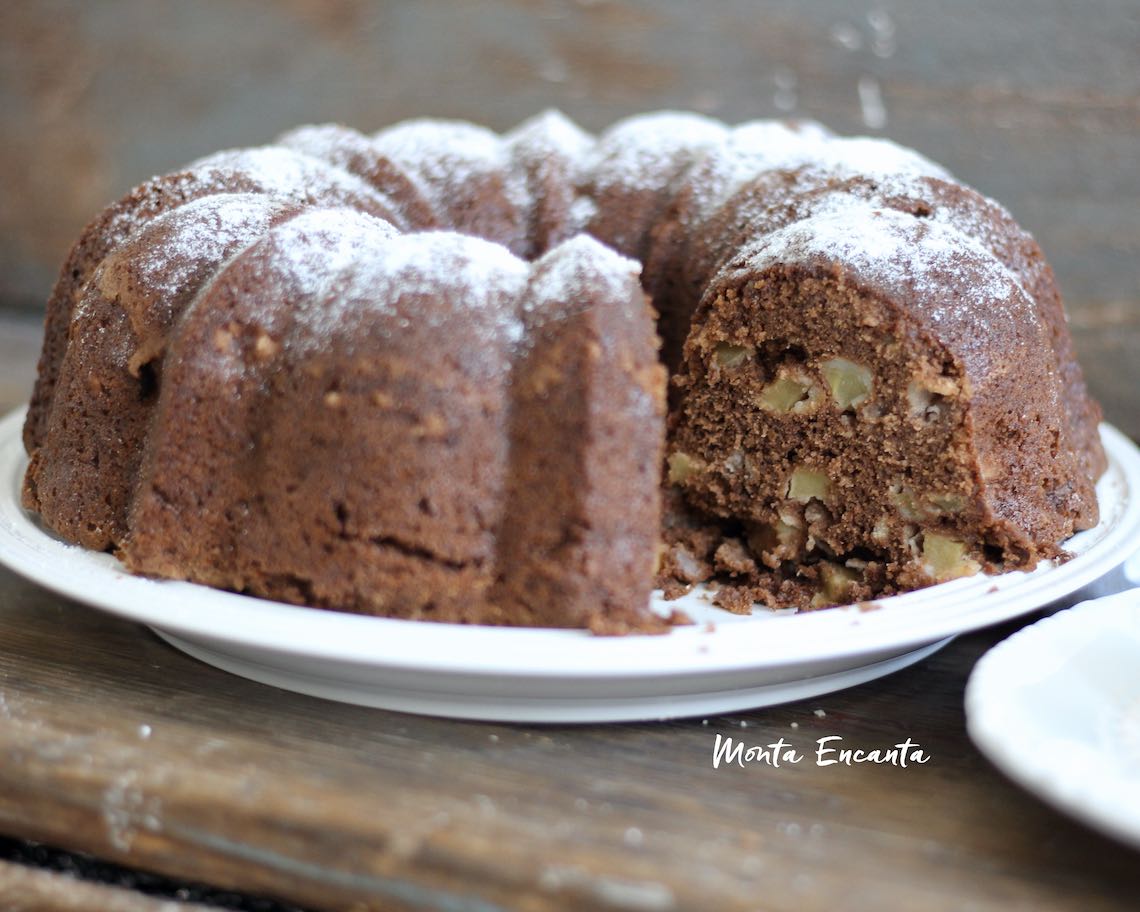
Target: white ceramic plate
(563,675)
(1057,708)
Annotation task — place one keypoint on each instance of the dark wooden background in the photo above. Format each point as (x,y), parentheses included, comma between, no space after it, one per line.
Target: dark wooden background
(1035,102)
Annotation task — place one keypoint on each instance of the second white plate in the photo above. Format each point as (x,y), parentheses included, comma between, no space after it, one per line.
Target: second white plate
(1057,708)
(724,662)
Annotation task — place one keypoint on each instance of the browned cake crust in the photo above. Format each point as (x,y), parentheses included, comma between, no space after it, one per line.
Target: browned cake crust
(102,412)
(406,531)
(269,171)
(580,524)
(323,371)
(465,501)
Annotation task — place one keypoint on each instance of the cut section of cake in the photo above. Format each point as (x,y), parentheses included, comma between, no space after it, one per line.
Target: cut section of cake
(872,401)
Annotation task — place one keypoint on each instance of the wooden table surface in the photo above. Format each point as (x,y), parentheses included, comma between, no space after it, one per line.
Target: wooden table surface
(113,743)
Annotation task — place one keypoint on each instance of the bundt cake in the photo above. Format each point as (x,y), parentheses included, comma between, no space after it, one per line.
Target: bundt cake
(417,374)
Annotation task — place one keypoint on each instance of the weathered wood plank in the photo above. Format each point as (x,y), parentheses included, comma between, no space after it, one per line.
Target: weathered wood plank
(113,743)
(25,889)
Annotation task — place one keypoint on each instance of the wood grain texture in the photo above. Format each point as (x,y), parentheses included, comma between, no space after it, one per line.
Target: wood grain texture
(113,743)
(24,889)
(1039,107)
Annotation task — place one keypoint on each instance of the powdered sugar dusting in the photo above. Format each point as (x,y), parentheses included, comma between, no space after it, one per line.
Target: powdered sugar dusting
(634,170)
(473,274)
(645,152)
(884,246)
(475,271)
(550,132)
(582,211)
(444,151)
(761,146)
(579,276)
(871,157)
(746,151)
(561,276)
(554,149)
(287,173)
(453,158)
(170,254)
(293,271)
(308,252)
(332,143)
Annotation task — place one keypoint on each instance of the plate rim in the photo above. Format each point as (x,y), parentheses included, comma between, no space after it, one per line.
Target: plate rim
(984,714)
(830,635)
(569,706)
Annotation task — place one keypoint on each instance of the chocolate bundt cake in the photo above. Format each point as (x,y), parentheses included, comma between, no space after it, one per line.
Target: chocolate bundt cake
(417,374)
